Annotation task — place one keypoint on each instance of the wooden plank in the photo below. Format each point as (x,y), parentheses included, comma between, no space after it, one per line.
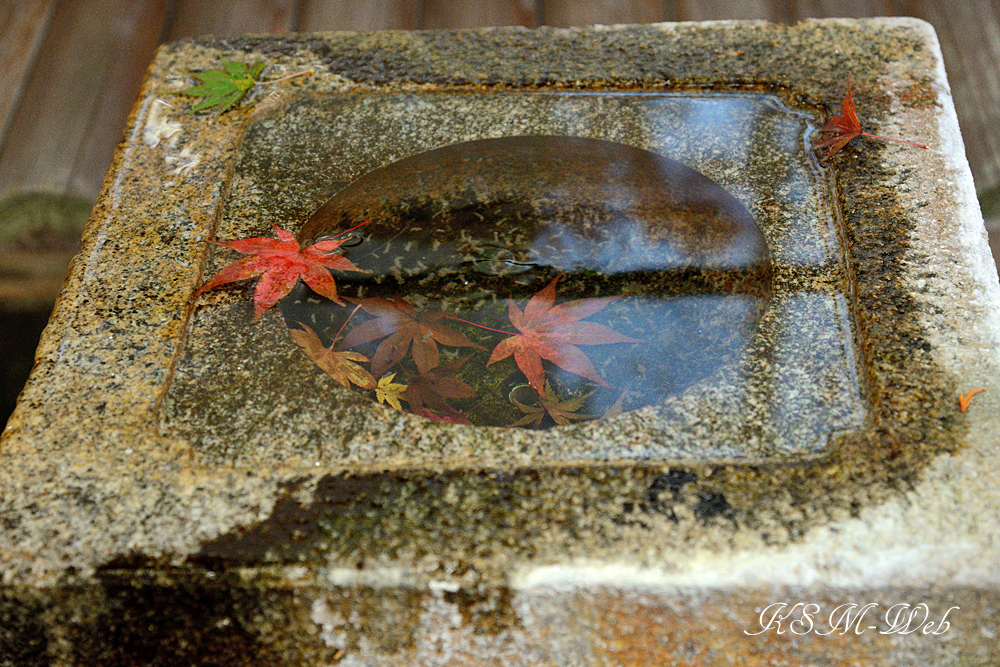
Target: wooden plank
(969,32)
(320,15)
(443,14)
(191,18)
(88,69)
(724,10)
(853,9)
(121,79)
(22,27)
(563,13)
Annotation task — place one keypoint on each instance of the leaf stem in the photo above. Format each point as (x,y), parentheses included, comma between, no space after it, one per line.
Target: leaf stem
(898,141)
(459,319)
(333,236)
(366,222)
(286,77)
(341,330)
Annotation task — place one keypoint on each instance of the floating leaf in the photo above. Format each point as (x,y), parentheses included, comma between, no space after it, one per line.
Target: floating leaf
(281,263)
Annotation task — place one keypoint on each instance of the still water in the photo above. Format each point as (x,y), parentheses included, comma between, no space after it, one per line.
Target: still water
(671,270)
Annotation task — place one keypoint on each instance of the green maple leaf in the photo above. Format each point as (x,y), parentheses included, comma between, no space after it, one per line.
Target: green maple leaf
(224,87)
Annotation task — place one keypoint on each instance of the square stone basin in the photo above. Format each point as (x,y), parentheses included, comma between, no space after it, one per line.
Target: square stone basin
(181,480)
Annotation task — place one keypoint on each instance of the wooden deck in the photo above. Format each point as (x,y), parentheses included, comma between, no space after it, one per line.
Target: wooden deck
(70,69)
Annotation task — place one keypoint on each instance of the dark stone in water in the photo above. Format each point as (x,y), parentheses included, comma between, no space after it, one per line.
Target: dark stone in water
(466,227)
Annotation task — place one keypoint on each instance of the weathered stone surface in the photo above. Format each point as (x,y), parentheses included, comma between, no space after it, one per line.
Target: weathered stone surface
(145,523)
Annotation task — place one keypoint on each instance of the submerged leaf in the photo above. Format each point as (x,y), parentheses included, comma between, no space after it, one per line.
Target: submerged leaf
(341,366)
(615,410)
(390,392)
(434,387)
(552,332)
(450,418)
(403,328)
(561,412)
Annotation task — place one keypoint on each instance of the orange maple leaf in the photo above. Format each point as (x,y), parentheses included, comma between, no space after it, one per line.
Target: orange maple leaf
(280,263)
(553,332)
(405,328)
(965,399)
(845,126)
(341,366)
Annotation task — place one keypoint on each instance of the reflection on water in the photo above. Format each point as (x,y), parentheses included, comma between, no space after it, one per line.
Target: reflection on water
(472,236)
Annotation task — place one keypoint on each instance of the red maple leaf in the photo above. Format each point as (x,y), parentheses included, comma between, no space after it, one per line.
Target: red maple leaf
(450,418)
(553,332)
(280,263)
(405,328)
(843,128)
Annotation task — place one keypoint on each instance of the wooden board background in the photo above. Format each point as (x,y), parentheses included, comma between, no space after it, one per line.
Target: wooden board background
(70,69)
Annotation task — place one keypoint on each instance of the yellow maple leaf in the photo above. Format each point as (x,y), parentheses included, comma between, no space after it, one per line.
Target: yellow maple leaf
(389,392)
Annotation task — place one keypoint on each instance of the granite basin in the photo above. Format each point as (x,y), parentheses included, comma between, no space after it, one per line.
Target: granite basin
(181,485)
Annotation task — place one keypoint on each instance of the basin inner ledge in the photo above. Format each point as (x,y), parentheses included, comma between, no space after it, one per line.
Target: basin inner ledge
(245,390)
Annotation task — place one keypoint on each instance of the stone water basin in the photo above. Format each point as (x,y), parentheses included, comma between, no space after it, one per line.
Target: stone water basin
(180,482)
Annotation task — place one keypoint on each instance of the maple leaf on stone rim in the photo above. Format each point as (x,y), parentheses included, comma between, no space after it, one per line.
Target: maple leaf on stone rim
(845,126)
(225,87)
(280,263)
